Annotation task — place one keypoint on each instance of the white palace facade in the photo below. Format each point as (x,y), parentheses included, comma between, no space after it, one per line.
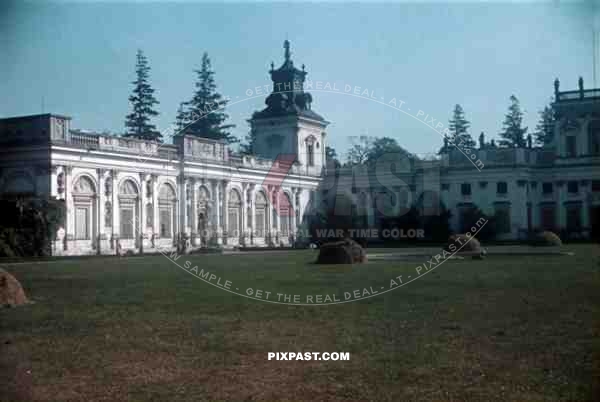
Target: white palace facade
(131,195)
(125,194)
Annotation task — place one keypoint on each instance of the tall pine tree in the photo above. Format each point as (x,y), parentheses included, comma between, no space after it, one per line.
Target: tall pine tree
(142,100)
(544,131)
(513,134)
(458,127)
(204,116)
(247,147)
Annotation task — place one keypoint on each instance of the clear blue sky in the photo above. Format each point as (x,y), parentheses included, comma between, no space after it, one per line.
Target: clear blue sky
(79,57)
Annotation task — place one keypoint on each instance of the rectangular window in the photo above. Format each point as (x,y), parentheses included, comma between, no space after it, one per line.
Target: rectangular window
(465,189)
(501,187)
(573,187)
(165,223)
(284,224)
(571,146)
(81,223)
(260,222)
(311,154)
(547,188)
(232,224)
(127,223)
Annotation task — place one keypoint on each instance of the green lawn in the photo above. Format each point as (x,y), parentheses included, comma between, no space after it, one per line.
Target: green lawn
(141,329)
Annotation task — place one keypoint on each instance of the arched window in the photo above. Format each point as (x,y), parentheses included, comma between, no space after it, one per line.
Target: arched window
(203,209)
(149,215)
(285,213)
(128,209)
(84,192)
(310,150)
(260,214)
(234,211)
(166,210)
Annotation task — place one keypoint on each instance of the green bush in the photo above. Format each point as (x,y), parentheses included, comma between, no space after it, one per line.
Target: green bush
(28,226)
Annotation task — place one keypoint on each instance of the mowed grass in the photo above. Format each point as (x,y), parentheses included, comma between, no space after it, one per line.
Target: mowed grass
(141,329)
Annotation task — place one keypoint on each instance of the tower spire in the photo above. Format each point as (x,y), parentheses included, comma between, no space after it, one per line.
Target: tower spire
(286,46)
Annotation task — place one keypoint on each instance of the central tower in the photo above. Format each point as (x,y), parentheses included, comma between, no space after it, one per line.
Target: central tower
(288,126)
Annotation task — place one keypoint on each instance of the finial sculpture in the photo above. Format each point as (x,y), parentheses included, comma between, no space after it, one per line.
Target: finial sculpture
(556,86)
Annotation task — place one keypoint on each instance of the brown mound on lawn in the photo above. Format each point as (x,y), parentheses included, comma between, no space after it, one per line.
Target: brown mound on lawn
(346,251)
(464,243)
(549,239)
(11,291)
(468,245)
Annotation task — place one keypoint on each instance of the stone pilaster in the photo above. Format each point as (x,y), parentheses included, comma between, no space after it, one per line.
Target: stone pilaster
(252,195)
(193,220)
(69,224)
(269,223)
(100,209)
(114,194)
(244,228)
(293,212)
(217,211)
(155,223)
(141,224)
(276,216)
(225,210)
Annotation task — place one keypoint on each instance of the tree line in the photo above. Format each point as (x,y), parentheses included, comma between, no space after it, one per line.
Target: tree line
(365,150)
(202,116)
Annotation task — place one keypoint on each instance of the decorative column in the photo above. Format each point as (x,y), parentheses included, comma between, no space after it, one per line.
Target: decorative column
(293,210)
(225,210)
(186,201)
(252,204)
(217,211)
(299,209)
(181,207)
(69,228)
(141,232)
(244,227)
(114,194)
(269,212)
(276,200)
(194,217)
(154,196)
(100,200)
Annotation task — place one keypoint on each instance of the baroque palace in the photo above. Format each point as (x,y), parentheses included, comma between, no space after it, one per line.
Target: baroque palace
(126,194)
